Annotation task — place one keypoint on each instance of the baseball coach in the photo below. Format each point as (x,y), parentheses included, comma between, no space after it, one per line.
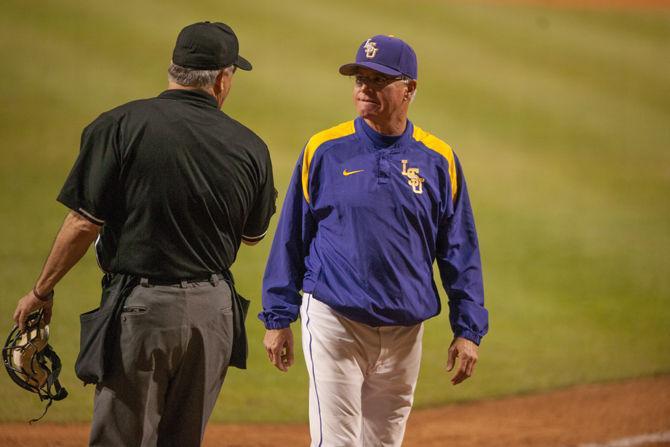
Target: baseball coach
(372,204)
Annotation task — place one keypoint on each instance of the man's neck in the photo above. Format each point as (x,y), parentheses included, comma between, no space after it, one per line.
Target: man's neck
(175,86)
(388,128)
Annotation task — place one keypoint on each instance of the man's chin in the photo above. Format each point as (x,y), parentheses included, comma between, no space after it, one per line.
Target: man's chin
(367,113)
(367,109)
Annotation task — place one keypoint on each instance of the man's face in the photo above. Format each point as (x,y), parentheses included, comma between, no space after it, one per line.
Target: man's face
(378,97)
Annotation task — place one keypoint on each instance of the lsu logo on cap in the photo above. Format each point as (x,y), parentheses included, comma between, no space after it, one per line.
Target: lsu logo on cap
(370,48)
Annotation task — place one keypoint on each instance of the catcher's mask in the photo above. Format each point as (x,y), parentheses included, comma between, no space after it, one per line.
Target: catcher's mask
(32,363)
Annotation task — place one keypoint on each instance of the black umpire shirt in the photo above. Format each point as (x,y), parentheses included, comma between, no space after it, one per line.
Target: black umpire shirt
(176,184)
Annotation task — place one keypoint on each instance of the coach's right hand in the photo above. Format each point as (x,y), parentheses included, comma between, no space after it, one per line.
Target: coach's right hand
(279,346)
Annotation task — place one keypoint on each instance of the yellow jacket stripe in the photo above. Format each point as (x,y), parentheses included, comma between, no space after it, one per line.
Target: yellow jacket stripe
(442,148)
(339,131)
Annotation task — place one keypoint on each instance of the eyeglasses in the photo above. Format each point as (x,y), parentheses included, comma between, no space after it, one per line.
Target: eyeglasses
(377,82)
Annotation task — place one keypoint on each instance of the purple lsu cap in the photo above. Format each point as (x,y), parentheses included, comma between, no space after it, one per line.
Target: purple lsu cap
(385,54)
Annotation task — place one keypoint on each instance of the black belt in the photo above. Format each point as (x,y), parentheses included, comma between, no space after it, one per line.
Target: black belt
(214,279)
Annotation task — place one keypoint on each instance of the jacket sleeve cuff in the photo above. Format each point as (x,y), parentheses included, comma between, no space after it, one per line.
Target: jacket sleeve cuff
(468,334)
(274,321)
(277,324)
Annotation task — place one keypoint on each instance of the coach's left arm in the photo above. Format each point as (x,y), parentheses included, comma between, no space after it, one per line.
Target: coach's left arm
(460,268)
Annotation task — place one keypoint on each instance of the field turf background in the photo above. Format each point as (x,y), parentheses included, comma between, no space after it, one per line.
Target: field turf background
(560,116)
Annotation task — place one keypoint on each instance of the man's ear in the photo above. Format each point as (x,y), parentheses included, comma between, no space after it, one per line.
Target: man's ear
(218,84)
(411,86)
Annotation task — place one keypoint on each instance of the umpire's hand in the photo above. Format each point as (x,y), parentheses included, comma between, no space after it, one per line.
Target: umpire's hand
(29,304)
(279,346)
(465,350)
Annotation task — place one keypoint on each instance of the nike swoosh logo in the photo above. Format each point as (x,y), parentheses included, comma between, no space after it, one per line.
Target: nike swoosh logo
(346,173)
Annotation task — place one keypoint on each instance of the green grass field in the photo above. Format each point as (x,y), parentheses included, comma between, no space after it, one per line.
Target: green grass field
(560,117)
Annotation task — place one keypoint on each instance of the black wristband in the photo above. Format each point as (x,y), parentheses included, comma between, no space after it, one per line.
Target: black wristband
(48,297)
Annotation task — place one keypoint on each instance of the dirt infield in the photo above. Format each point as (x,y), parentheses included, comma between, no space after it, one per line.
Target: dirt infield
(582,416)
(591,4)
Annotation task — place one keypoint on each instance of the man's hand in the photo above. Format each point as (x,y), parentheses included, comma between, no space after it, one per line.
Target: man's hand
(279,346)
(463,349)
(29,304)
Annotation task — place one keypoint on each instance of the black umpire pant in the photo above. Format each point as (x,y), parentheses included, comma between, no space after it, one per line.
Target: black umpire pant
(170,359)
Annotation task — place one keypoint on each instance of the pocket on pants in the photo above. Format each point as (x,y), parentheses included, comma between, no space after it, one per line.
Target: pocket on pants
(90,364)
(133,310)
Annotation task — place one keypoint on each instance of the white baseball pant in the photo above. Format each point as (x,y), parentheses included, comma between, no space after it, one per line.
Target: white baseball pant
(362,378)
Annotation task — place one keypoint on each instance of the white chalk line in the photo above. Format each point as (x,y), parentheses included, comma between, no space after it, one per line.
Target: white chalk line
(633,440)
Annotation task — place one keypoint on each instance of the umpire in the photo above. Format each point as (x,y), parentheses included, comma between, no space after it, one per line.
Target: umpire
(168,187)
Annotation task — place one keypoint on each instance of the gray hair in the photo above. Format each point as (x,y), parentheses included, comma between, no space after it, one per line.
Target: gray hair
(189,77)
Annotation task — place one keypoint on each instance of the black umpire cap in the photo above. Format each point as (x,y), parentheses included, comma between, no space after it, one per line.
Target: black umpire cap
(208,46)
